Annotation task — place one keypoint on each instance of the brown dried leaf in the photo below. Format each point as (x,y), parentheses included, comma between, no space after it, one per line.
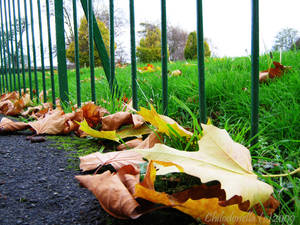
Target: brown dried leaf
(130,144)
(53,123)
(116,159)
(93,114)
(114,121)
(7,125)
(112,191)
(149,142)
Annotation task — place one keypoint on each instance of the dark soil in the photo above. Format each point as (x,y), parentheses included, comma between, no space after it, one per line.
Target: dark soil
(36,187)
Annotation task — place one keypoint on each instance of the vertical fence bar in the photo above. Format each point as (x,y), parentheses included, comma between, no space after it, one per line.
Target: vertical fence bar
(91,48)
(2,64)
(21,47)
(7,47)
(4,52)
(34,53)
(2,71)
(50,54)
(164,57)
(12,47)
(254,70)
(17,49)
(200,57)
(61,52)
(28,50)
(112,45)
(76,54)
(42,52)
(133,56)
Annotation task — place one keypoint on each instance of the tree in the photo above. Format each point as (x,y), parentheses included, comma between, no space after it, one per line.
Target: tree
(190,51)
(149,49)
(285,39)
(101,13)
(83,39)
(296,46)
(177,38)
(12,38)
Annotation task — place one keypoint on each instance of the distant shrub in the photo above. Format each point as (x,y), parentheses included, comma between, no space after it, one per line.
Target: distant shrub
(190,51)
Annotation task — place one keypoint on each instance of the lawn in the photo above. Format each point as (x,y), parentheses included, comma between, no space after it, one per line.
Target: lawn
(228,85)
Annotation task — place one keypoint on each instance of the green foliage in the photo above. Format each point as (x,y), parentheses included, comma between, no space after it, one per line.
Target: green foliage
(83,39)
(149,49)
(190,51)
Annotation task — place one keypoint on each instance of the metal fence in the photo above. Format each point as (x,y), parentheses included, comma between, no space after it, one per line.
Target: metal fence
(13,59)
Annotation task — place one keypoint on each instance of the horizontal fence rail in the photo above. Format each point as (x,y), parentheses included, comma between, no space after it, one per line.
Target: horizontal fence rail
(18,53)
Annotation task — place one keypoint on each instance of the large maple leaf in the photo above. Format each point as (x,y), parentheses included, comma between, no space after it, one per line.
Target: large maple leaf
(219,158)
(201,202)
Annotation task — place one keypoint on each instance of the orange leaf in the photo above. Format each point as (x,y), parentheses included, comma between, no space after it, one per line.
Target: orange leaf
(53,123)
(7,125)
(116,159)
(113,191)
(149,142)
(130,144)
(93,114)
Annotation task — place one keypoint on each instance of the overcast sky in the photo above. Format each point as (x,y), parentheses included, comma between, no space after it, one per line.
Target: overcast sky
(226,22)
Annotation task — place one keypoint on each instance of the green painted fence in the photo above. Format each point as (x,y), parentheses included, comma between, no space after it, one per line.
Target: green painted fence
(12,54)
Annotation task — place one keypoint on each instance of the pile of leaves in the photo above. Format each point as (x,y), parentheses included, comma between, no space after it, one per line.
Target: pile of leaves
(228,191)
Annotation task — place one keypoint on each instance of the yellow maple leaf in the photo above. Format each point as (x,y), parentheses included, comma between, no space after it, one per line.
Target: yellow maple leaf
(114,135)
(163,123)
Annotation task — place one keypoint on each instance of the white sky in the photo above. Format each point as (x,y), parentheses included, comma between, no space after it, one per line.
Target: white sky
(226,22)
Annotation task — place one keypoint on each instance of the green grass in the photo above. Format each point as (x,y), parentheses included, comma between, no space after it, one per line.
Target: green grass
(228,98)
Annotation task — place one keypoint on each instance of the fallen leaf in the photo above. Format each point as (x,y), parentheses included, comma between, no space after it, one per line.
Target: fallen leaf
(116,159)
(219,158)
(271,73)
(163,123)
(7,125)
(130,144)
(176,73)
(116,120)
(150,141)
(199,202)
(93,114)
(114,135)
(52,123)
(112,191)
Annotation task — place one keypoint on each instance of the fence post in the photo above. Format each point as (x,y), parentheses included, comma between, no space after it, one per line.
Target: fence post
(12,46)
(254,71)
(28,51)
(61,52)
(91,48)
(76,54)
(133,56)
(164,57)
(200,57)
(3,44)
(42,52)
(50,54)
(34,54)
(98,42)
(17,49)
(21,47)
(112,45)
(8,51)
